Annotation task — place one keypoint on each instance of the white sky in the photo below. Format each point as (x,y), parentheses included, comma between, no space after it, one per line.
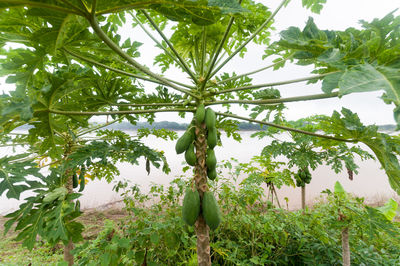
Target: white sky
(336,15)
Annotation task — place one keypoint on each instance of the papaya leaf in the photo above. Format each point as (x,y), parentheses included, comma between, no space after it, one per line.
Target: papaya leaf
(314,5)
(363,78)
(385,147)
(389,209)
(14,171)
(339,190)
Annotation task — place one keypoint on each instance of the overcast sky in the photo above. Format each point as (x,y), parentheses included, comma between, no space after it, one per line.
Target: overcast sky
(336,15)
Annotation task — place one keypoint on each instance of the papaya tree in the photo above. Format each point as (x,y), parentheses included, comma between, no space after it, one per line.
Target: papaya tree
(305,152)
(198,38)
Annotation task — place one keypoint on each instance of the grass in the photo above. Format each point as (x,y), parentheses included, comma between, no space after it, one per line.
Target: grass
(12,253)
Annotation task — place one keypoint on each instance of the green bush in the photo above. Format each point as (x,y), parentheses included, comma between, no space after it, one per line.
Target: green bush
(252,233)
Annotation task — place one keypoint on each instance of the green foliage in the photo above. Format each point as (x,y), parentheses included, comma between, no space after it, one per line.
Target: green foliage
(304,151)
(359,60)
(385,147)
(13,171)
(263,169)
(113,146)
(250,233)
(389,209)
(315,5)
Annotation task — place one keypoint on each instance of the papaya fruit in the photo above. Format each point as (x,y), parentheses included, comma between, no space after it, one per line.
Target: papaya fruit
(200,113)
(77,206)
(184,141)
(209,118)
(190,155)
(212,137)
(190,206)
(211,161)
(211,212)
(308,176)
(147,166)
(212,174)
(74,181)
(82,179)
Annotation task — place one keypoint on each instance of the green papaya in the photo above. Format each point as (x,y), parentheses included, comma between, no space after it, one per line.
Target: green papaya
(211,161)
(308,176)
(74,181)
(212,174)
(212,137)
(200,113)
(184,141)
(191,206)
(210,118)
(82,179)
(211,212)
(77,206)
(190,155)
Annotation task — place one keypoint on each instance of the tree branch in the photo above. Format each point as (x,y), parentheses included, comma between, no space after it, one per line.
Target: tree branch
(216,54)
(250,87)
(203,50)
(250,38)
(183,64)
(147,104)
(285,128)
(120,52)
(84,132)
(170,80)
(148,111)
(281,100)
(253,72)
(154,39)
(116,70)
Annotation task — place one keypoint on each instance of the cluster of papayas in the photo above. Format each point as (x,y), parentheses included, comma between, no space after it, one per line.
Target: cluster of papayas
(209,208)
(302,177)
(186,142)
(79,180)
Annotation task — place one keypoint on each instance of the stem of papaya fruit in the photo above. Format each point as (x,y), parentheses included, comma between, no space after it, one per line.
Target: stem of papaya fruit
(202,230)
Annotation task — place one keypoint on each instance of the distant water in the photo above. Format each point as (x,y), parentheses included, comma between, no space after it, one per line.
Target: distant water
(371,182)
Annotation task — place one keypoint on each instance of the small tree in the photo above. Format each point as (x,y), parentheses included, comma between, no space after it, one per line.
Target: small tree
(270,173)
(304,152)
(345,210)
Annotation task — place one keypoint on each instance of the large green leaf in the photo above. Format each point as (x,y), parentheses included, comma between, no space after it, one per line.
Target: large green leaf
(365,78)
(385,147)
(14,172)
(389,209)
(201,12)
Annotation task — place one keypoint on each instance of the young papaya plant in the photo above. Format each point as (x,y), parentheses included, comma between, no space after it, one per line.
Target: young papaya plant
(72,63)
(306,152)
(346,210)
(263,168)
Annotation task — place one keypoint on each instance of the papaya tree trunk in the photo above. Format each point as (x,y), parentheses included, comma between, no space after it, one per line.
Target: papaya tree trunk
(303,197)
(345,247)
(202,230)
(68,257)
